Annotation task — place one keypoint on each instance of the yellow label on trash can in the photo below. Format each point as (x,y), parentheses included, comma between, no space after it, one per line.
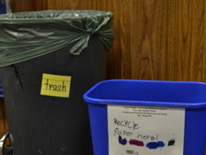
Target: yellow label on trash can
(55,85)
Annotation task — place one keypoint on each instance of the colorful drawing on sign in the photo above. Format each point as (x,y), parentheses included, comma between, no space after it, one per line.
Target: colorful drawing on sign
(136,142)
(145,130)
(130,151)
(155,145)
(122,141)
(171,142)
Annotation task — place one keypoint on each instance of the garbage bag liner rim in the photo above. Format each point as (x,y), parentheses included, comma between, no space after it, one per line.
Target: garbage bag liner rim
(54,15)
(28,35)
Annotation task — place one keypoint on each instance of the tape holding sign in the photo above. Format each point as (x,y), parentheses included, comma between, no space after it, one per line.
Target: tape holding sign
(55,85)
(145,130)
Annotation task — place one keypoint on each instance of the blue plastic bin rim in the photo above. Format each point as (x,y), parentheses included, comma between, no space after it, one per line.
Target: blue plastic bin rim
(97,101)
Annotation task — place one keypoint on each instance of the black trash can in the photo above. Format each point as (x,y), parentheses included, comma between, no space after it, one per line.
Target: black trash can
(45,73)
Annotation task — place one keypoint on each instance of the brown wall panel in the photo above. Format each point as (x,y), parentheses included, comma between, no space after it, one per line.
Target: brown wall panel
(71,5)
(149,33)
(3,118)
(188,39)
(28,5)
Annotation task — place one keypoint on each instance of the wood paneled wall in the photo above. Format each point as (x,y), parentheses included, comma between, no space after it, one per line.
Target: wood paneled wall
(155,39)
(3,119)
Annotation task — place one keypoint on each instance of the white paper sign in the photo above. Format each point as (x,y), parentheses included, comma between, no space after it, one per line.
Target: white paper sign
(145,130)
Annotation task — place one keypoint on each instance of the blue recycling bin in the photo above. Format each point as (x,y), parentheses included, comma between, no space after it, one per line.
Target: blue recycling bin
(147,117)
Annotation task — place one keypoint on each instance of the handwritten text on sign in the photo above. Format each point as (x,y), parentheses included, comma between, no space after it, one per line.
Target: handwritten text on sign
(55,85)
(145,130)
